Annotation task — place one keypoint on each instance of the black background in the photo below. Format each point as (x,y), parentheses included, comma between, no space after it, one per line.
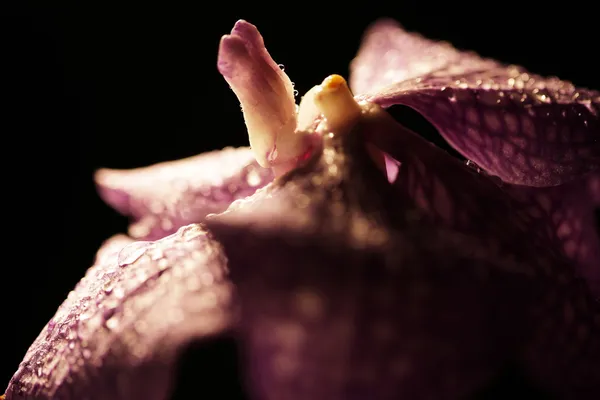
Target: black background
(127,86)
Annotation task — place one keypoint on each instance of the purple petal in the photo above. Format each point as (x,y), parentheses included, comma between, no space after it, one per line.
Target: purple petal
(524,128)
(551,218)
(163,197)
(447,193)
(324,319)
(470,202)
(266,95)
(349,288)
(389,55)
(594,188)
(119,332)
(565,216)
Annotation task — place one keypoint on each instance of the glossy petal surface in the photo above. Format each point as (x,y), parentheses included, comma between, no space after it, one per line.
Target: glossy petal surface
(522,127)
(389,54)
(118,333)
(163,197)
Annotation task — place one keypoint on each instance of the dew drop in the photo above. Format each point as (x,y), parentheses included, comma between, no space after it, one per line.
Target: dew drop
(473,165)
(112,323)
(131,253)
(119,293)
(449,93)
(108,287)
(253,178)
(51,326)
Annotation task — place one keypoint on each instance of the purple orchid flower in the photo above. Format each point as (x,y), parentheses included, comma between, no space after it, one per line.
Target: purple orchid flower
(349,257)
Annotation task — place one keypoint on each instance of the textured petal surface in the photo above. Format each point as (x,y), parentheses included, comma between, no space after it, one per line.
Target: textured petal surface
(564,216)
(118,333)
(522,127)
(381,297)
(265,93)
(559,217)
(389,55)
(163,197)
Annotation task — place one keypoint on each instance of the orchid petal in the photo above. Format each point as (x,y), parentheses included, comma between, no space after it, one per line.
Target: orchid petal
(120,331)
(341,324)
(524,128)
(331,318)
(448,193)
(565,216)
(163,197)
(357,252)
(388,55)
(551,230)
(472,203)
(266,95)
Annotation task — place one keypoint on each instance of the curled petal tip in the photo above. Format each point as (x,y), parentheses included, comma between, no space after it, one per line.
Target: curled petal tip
(107,184)
(265,93)
(246,30)
(103,176)
(107,178)
(230,47)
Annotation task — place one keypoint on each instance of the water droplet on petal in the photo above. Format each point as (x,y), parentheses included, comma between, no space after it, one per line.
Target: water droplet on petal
(51,326)
(108,287)
(253,178)
(112,323)
(131,253)
(473,165)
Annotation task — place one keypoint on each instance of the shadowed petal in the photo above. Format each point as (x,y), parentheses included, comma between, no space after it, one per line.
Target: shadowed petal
(594,188)
(522,127)
(471,202)
(449,194)
(118,334)
(564,215)
(163,197)
(329,313)
(374,299)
